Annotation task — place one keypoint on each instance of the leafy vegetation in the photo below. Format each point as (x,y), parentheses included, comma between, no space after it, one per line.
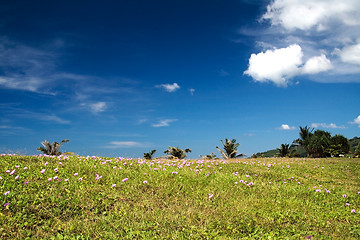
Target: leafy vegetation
(176,152)
(51,148)
(149,155)
(74,197)
(230,147)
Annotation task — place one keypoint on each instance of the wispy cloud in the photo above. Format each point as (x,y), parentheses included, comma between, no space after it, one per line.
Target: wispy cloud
(306,37)
(169,87)
(286,127)
(127,144)
(325,125)
(356,121)
(164,123)
(191,90)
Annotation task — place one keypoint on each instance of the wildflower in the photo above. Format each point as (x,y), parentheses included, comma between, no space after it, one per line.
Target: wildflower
(66,180)
(60,163)
(17,166)
(49,179)
(210,196)
(56,170)
(344,195)
(75,174)
(80,179)
(241,181)
(125,179)
(236,183)
(56,177)
(26,182)
(250,183)
(299,182)
(318,190)
(113,185)
(353,210)
(12,172)
(25,168)
(327,191)
(347,204)
(42,171)
(7,171)
(174,172)
(145,182)
(17,177)
(6,204)
(7,193)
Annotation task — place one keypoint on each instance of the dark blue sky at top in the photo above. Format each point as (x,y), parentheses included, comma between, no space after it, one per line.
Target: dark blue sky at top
(95,72)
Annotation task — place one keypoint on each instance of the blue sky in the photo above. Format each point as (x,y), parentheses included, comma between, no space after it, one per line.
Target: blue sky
(120,78)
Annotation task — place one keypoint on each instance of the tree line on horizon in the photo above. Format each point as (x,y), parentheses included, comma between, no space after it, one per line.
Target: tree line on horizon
(316,144)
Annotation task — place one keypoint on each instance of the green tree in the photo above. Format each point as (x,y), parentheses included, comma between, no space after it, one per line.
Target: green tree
(230,147)
(210,156)
(319,143)
(149,155)
(357,150)
(286,150)
(304,140)
(176,152)
(51,148)
(338,145)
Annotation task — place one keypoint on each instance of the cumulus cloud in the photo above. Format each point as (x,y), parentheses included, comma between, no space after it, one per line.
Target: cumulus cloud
(164,123)
(169,87)
(307,14)
(286,127)
(350,54)
(318,28)
(98,107)
(317,64)
(325,125)
(356,121)
(275,65)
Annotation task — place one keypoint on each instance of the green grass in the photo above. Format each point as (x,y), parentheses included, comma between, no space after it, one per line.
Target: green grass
(182,199)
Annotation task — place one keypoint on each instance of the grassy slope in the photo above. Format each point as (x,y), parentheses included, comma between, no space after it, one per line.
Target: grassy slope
(288,198)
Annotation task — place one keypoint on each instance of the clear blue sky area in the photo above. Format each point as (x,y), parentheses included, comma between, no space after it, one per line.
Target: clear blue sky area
(120,78)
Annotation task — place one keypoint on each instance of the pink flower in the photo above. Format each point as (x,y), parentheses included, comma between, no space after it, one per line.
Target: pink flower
(353,210)
(236,183)
(56,177)
(25,168)
(26,183)
(7,193)
(46,163)
(17,177)
(125,179)
(318,190)
(174,172)
(66,180)
(113,185)
(6,204)
(80,179)
(75,174)
(42,171)
(12,172)
(347,204)
(344,195)
(56,170)
(145,182)
(210,196)
(49,179)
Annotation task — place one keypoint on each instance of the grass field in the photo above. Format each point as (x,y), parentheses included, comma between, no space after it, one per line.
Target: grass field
(116,198)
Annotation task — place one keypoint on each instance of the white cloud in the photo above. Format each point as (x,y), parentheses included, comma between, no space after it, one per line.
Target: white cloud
(356,121)
(275,65)
(169,87)
(124,144)
(308,14)
(350,54)
(98,107)
(191,90)
(164,123)
(325,125)
(286,127)
(317,64)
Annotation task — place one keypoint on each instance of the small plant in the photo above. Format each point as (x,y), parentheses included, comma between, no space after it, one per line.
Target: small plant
(176,152)
(52,148)
(149,155)
(286,150)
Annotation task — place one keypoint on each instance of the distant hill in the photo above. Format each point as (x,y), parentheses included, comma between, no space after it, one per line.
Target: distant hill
(272,153)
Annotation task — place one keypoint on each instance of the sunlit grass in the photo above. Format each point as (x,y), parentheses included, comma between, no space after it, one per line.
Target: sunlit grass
(106,198)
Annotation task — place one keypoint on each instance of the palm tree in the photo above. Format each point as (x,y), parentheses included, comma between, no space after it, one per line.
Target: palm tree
(286,150)
(230,147)
(149,155)
(305,136)
(209,156)
(176,152)
(52,148)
